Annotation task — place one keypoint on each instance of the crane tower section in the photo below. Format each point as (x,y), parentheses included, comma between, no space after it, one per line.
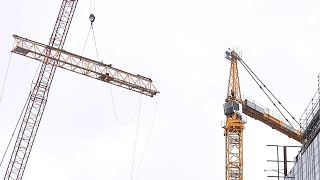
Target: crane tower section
(38,96)
(234,125)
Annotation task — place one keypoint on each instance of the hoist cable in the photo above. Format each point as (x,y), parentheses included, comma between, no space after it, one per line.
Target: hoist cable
(2,90)
(136,139)
(95,43)
(5,77)
(90,6)
(14,131)
(85,43)
(114,108)
(22,112)
(92,19)
(94,6)
(253,77)
(269,91)
(148,139)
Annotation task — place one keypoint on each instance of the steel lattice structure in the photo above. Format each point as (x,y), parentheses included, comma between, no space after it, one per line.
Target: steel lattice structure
(84,66)
(234,125)
(52,56)
(234,153)
(37,99)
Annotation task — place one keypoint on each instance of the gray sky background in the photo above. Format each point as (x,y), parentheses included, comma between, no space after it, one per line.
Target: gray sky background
(179,44)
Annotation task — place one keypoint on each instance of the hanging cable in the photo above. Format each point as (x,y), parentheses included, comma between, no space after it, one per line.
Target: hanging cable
(2,90)
(114,108)
(92,18)
(136,139)
(14,131)
(94,6)
(90,6)
(85,43)
(95,43)
(148,139)
(5,77)
(20,119)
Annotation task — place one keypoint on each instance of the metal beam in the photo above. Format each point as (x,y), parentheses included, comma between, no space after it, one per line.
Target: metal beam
(85,66)
(37,100)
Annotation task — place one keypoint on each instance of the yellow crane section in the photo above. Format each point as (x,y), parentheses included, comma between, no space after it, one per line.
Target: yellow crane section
(234,125)
(253,110)
(233,128)
(75,63)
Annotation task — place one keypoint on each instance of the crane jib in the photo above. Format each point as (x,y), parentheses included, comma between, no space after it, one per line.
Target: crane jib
(85,66)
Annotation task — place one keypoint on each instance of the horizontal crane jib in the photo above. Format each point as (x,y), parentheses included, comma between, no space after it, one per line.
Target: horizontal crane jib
(84,66)
(259,113)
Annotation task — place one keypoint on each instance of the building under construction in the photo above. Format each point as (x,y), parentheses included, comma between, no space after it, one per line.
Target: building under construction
(307,166)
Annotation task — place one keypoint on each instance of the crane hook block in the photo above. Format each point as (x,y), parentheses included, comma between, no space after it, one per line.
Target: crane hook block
(92,18)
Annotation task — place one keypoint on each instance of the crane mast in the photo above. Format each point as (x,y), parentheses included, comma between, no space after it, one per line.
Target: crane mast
(234,125)
(38,96)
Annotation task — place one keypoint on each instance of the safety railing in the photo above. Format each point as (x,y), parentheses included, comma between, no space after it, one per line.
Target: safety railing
(272,113)
(310,111)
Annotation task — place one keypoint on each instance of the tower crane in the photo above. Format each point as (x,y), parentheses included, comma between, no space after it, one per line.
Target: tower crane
(234,124)
(53,56)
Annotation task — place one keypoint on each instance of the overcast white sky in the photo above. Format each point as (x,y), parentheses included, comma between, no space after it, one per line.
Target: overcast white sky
(180,45)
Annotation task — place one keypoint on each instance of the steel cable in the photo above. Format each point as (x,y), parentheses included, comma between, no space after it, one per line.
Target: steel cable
(95,43)
(85,43)
(22,112)
(265,93)
(245,65)
(114,108)
(148,140)
(5,77)
(136,139)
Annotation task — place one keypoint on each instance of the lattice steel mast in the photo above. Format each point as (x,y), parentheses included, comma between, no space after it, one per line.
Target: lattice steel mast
(37,100)
(234,124)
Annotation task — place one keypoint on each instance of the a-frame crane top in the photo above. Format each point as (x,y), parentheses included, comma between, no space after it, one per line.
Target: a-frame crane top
(233,93)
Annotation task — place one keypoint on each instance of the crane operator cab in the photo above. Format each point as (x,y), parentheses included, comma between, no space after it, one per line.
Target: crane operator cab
(232,107)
